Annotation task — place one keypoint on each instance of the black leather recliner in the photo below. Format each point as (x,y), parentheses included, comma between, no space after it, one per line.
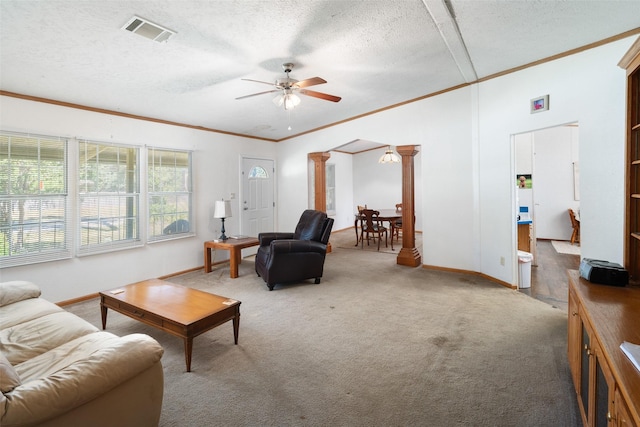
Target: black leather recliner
(288,257)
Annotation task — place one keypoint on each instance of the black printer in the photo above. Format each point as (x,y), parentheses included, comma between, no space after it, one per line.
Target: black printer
(603,272)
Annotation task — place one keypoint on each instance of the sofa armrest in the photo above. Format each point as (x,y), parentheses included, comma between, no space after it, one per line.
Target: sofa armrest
(266,238)
(297,246)
(49,396)
(17,290)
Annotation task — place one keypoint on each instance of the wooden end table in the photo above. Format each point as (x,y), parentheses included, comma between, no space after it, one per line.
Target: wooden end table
(234,246)
(177,310)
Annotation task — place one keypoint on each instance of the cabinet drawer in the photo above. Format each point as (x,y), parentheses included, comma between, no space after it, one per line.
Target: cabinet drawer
(136,313)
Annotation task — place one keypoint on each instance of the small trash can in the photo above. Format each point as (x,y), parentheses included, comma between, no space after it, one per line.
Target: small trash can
(524,269)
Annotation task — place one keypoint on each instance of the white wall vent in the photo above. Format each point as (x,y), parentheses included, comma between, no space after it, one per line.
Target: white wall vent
(148,29)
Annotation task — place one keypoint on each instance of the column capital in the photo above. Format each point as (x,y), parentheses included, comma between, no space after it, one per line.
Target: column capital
(319,156)
(407,150)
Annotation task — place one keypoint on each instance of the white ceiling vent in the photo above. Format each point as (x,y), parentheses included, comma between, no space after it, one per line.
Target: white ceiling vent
(148,29)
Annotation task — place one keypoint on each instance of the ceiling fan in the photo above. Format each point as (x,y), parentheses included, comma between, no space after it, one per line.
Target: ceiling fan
(288,88)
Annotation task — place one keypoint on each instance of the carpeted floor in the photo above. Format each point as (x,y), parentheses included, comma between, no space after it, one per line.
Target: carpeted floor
(374,344)
(563,247)
(346,239)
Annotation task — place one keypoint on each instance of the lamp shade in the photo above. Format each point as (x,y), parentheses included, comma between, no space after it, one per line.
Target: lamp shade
(389,157)
(288,99)
(222,209)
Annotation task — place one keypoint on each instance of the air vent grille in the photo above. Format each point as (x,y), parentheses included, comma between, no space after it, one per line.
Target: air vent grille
(148,29)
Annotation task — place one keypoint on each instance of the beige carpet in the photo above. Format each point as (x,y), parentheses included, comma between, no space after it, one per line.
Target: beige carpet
(563,247)
(374,344)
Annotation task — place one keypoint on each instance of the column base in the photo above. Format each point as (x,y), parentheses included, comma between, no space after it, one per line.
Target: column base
(409,257)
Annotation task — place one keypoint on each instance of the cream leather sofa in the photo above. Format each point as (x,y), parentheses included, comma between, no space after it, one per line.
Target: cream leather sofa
(59,370)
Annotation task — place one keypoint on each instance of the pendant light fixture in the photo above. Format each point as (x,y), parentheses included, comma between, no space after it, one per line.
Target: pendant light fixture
(389,157)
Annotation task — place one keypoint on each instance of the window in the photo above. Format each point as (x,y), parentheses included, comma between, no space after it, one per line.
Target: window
(169,192)
(258,172)
(33,199)
(109,197)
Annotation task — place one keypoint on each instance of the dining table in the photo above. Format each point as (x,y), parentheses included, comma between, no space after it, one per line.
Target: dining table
(390,215)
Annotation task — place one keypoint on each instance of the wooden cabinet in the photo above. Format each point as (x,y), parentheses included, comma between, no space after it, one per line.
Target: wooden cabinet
(623,415)
(631,63)
(524,237)
(606,382)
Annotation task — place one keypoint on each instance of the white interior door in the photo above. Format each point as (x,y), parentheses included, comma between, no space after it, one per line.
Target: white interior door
(256,200)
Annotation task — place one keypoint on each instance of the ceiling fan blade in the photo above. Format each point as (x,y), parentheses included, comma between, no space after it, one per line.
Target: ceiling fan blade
(310,82)
(258,81)
(259,93)
(320,95)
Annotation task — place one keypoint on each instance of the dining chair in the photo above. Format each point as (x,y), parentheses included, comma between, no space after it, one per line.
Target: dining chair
(360,222)
(397,224)
(372,225)
(575,224)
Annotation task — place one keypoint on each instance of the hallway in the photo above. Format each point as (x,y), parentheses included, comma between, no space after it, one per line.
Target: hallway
(549,282)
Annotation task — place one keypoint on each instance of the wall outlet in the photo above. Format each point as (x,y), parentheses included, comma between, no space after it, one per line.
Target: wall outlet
(501,260)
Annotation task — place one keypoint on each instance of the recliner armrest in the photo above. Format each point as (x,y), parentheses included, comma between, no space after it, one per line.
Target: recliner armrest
(291,246)
(266,238)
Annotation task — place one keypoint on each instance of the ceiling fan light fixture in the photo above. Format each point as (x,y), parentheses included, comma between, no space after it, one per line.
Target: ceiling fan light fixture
(288,87)
(289,99)
(389,157)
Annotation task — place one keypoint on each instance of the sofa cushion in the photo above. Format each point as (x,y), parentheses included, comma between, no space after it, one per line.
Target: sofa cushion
(9,378)
(17,290)
(25,310)
(29,339)
(65,355)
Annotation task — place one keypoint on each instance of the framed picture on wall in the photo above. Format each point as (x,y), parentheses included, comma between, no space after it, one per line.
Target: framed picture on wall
(524,181)
(540,104)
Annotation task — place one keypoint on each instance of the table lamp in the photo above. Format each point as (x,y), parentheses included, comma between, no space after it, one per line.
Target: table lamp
(222,211)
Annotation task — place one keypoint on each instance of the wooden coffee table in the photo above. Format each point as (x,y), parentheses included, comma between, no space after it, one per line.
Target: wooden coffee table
(234,246)
(178,310)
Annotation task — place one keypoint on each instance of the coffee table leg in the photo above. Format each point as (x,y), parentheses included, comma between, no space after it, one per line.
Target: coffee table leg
(207,259)
(188,346)
(234,257)
(103,311)
(236,326)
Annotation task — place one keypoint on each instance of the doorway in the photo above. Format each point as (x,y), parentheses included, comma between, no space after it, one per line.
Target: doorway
(548,159)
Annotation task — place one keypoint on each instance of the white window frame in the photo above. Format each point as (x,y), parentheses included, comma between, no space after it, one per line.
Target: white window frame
(110,221)
(171,220)
(36,194)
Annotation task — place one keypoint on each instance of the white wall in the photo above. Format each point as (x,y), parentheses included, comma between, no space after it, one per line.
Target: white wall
(379,186)
(216,171)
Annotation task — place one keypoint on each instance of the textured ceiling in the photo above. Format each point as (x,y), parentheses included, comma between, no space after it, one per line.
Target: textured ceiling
(373,54)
